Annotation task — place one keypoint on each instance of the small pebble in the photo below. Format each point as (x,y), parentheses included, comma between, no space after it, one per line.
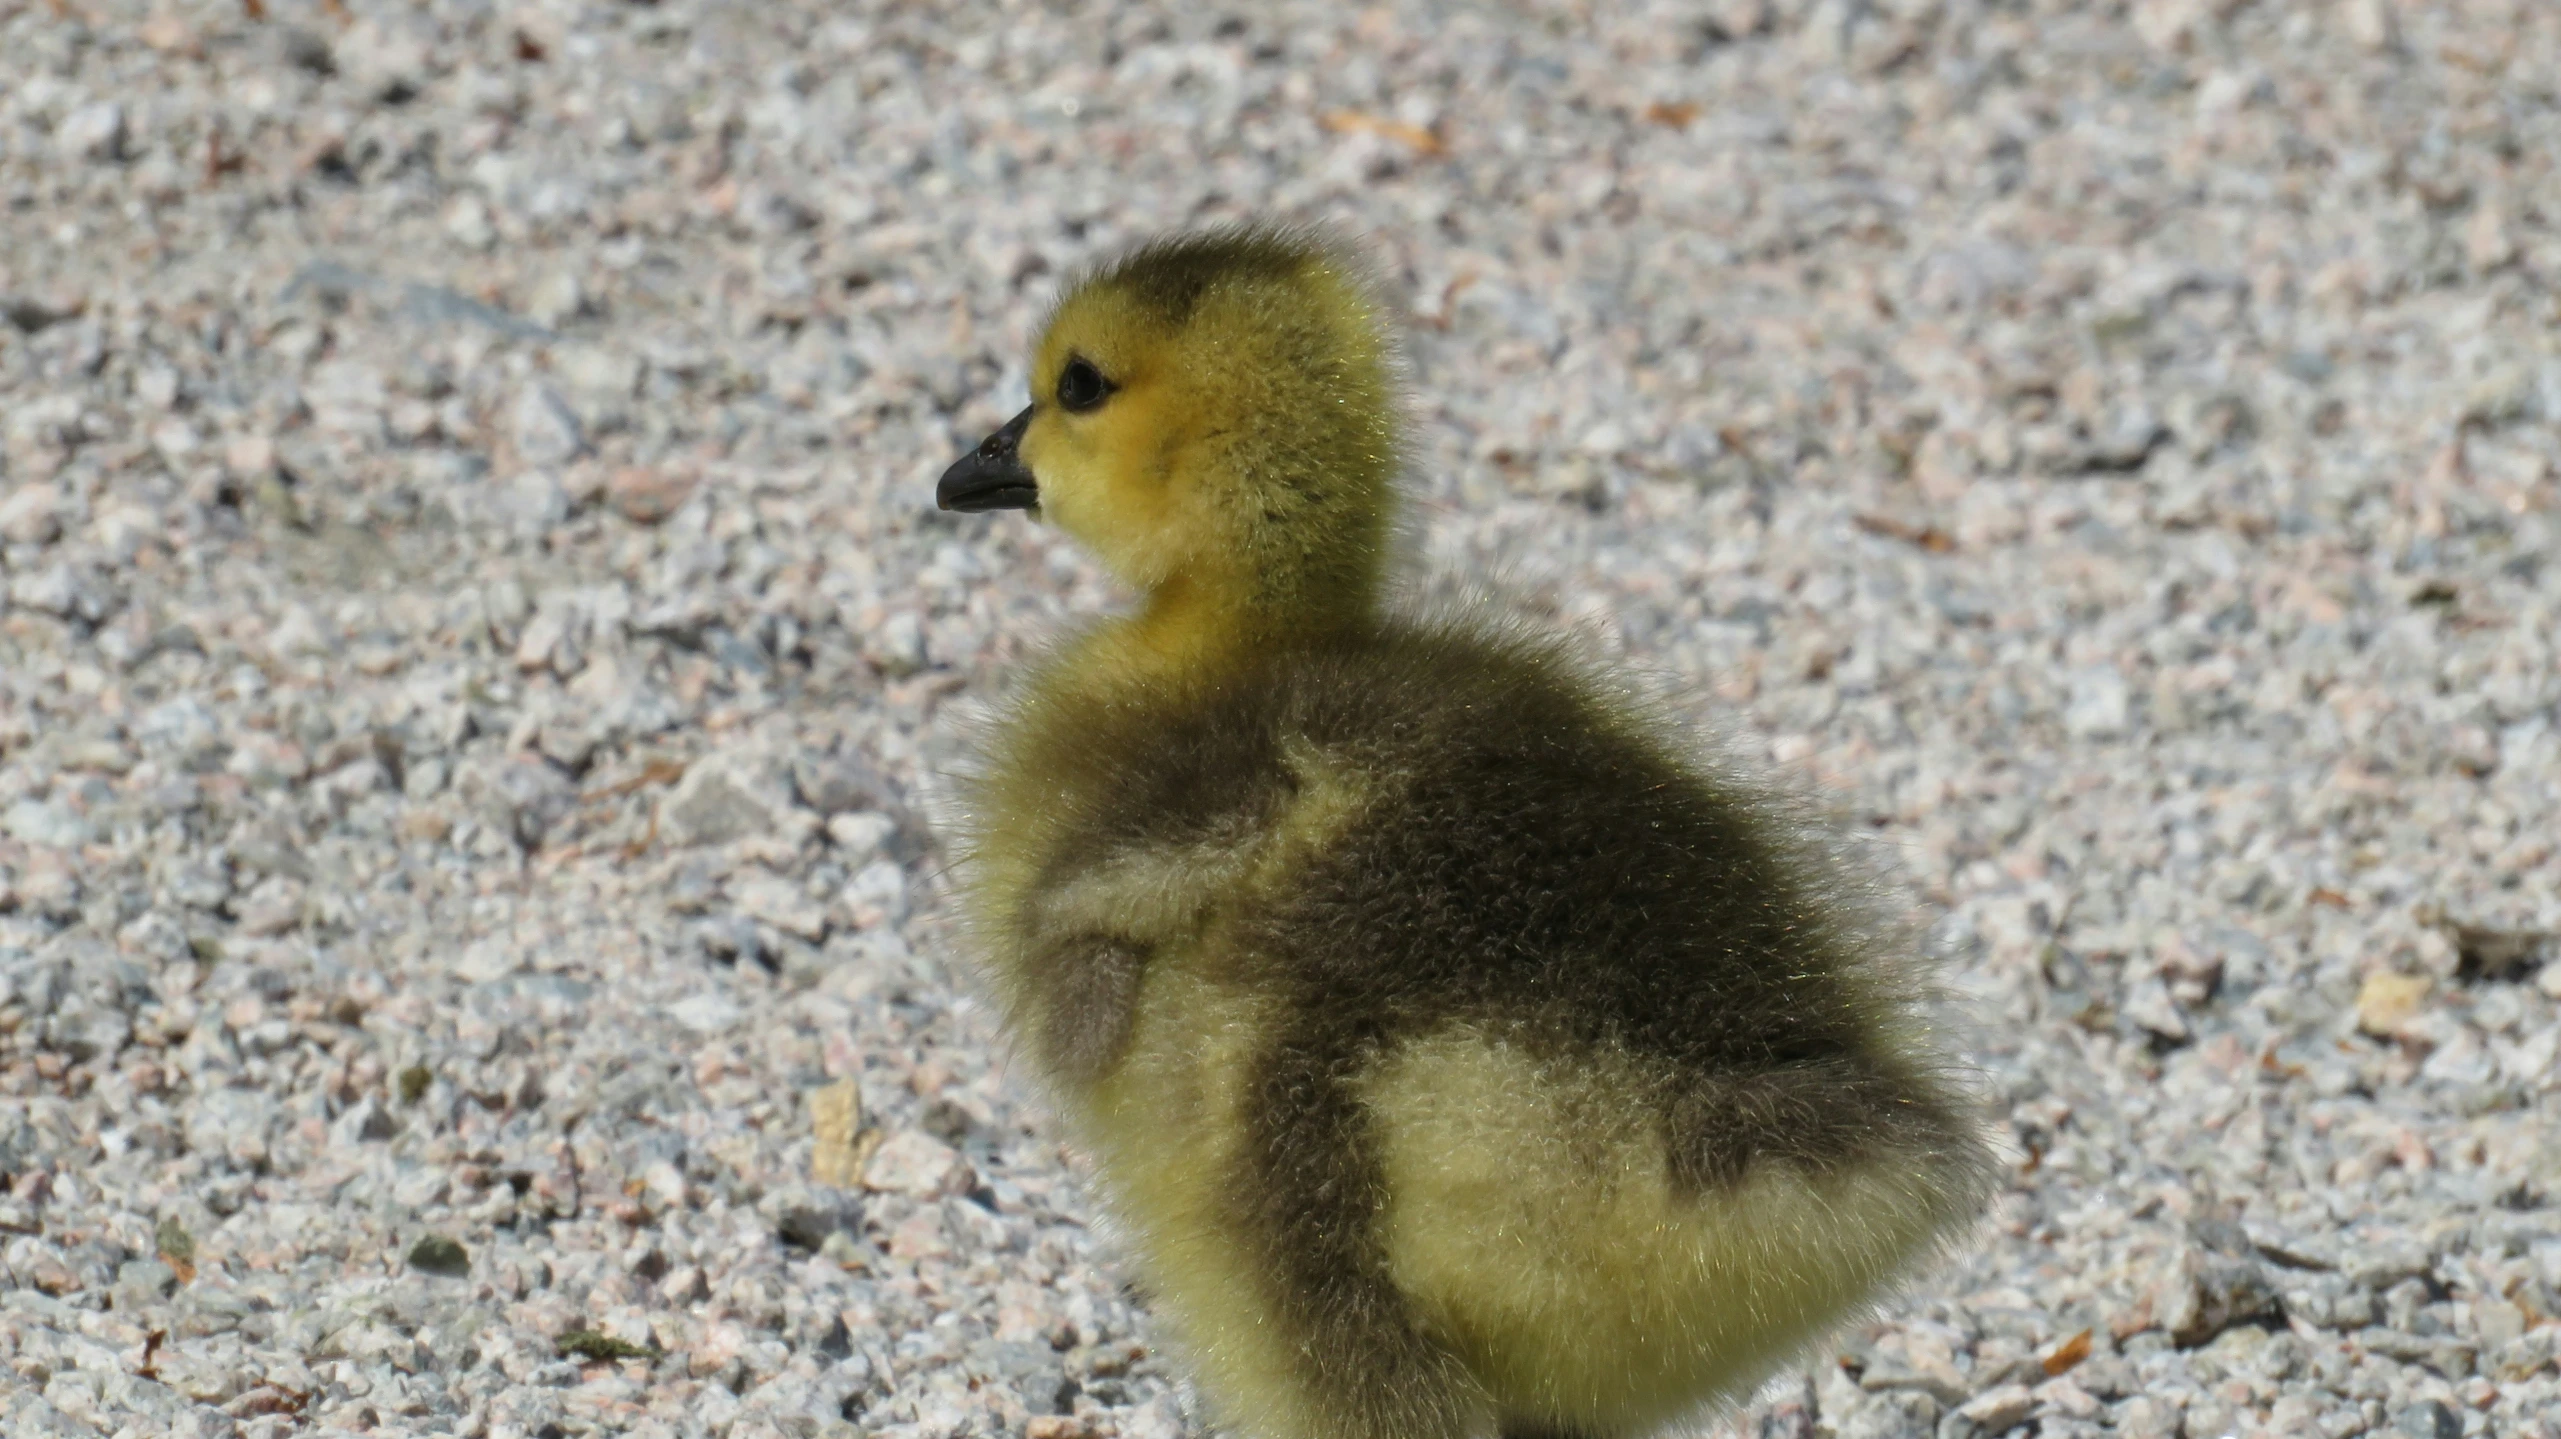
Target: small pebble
(438,1255)
(647,495)
(2428,1420)
(94,132)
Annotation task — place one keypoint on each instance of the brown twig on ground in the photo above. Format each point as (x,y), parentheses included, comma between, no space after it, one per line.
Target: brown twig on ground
(1929,537)
(1413,137)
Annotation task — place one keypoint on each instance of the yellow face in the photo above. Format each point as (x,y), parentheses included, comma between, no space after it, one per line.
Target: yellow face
(1215,419)
(1113,423)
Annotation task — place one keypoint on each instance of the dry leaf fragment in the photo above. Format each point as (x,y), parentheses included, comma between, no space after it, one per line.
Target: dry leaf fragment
(1929,537)
(657,771)
(1676,115)
(178,1248)
(2497,954)
(2387,1001)
(640,846)
(2490,60)
(2270,1064)
(598,1347)
(2067,1354)
(843,1146)
(1413,137)
(647,494)
(220,160)
(170,36)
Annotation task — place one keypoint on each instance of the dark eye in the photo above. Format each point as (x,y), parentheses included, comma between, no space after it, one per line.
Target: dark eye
(1080,386)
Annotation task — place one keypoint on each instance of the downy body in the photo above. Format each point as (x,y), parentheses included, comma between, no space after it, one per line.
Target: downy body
(1460,1049)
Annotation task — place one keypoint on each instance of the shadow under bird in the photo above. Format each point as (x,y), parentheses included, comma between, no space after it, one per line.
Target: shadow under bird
(1462,1051)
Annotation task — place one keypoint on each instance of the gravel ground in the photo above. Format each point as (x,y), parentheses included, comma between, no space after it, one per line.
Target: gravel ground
(477,652)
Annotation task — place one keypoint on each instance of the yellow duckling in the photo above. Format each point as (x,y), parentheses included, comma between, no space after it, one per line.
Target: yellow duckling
(1462,1053)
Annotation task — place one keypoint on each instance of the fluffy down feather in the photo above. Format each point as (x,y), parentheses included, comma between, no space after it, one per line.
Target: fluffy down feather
(1462,1050)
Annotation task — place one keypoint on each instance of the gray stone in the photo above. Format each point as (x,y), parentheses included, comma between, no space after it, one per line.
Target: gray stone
(546,430)
(383,57)
(61,591)
(2101,705)
(705,1013)
(2149,1006)
(1790,1410)
(84,1030)
(2380,1261)
(861,836)
(2151,1417)
(1994,1411)
(231,1124)
(2215,1291)
(717,802)
(1889,1414)
(835,784)
(784,904)
(919,1166)
(2451,1357)
(142,1283)
(519,796)
(876,895)
(32,1415)
(275,905)
(366,1121)
(805,1216)
(2330,1301)
(183,733)
(202,1422)
(32,514)
(94,132)
(1033,1373)
(199,886)
(2427,1419)
(557,299)
(46,822)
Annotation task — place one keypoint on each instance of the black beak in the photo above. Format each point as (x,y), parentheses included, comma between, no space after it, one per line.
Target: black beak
(991,477)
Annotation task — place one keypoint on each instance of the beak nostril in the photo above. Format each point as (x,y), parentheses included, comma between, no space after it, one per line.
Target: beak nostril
(991,476)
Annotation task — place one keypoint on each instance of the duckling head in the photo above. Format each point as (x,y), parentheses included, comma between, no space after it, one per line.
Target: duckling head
(1215,417)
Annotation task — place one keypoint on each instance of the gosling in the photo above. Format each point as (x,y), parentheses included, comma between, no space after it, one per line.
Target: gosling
(1461,1053)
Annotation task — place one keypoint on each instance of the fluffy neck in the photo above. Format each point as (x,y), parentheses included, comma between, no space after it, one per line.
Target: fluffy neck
(1197,625)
